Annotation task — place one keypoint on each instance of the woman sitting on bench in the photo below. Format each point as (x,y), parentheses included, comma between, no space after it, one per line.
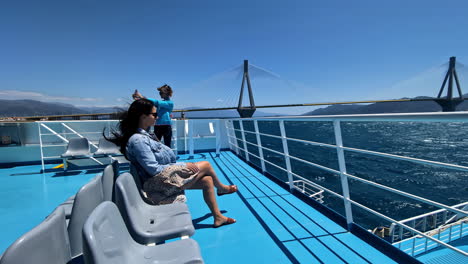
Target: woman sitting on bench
(164,180)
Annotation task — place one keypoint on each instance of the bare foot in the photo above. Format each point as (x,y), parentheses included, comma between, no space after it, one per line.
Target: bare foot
(223,220)
(227,190)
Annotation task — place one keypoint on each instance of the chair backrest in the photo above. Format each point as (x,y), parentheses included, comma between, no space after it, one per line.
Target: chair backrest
(46,243)
(106,147)
(105,236)
(127,197)
(87,198)
(107,181)
(138,182)
(78,146)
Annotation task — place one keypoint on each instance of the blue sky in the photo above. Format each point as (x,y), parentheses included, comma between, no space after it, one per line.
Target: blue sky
(96,53)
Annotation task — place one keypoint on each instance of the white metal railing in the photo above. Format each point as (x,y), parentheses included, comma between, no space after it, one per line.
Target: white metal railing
(417,244)
(54,134)
(234,140)
(432,222)
(57,130)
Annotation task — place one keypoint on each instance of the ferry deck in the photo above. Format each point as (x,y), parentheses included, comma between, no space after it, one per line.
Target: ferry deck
(275,224)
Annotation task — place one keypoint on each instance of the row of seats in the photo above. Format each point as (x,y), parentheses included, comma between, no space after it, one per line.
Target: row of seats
(80,148)
(109,222)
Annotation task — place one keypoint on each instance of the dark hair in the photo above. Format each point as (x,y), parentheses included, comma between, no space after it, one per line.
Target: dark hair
(129,121)
(165,89)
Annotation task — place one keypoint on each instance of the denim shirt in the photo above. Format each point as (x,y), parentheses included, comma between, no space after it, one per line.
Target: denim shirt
(150,154)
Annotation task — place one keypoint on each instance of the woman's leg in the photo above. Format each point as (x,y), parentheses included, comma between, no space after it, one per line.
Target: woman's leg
(207,170)
(207,185)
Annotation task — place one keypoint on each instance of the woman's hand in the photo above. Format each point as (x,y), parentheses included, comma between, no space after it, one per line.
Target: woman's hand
(137,95)
(193,167)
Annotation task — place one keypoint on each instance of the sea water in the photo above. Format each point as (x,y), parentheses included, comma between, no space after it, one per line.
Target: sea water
(443,142)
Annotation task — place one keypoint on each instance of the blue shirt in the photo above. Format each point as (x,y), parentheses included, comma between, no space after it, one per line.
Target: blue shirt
(152,156)
(164,108)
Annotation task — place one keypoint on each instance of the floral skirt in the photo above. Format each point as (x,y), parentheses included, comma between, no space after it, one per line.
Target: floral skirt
(166,187)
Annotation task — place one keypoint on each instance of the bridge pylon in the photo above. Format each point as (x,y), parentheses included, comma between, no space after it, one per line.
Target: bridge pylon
(246,112)
(449,103)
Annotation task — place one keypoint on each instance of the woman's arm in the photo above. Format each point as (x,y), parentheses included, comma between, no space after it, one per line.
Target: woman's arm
(155,102)
(144,155)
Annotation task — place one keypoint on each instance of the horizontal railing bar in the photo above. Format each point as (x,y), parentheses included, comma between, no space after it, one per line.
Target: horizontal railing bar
(279,167)
(250,143)
(315,165)
(398,157)
(431,213)
(408,227)
(50,134)
(52,157)
(261,134)
(268,135)
(238,147)
(415,197)
(251,132)
(250,153)
(274,151)
(296,175)
(296,158)
(312,142)
(75,121)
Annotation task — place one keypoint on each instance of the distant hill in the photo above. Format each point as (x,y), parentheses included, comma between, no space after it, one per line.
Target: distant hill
(17,108)
(390,107)
(36,108)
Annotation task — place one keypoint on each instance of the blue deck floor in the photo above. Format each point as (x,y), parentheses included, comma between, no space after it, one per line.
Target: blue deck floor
(273,225)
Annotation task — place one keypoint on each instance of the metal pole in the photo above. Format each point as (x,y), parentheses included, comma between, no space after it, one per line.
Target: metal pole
(259,143)
(286,154)
(191,144)
(174,136)
(40,144)
(185,135)
(243,140)
(343,177)
(218,137)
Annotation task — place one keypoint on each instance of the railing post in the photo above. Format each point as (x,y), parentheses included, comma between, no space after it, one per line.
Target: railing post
(461,229)
(425,223)
(230,129)
(185,135)
(286,154)
(343,177)
(191,144)
(450,233)
(218,137)
(40,144)
(174,136)
(259,143)
(243,140)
